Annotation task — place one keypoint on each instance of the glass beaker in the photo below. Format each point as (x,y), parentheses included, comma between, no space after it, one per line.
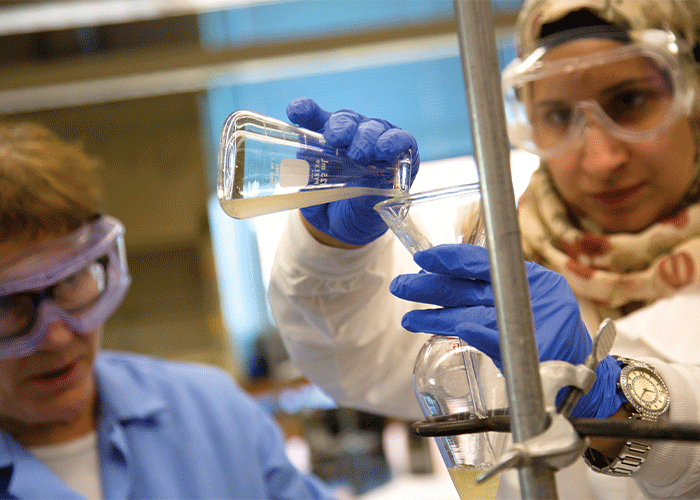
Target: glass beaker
(266,165)
(450,376)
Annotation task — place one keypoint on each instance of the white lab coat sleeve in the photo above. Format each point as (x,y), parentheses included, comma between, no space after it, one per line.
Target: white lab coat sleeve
(672,469)
(665,335)
(339,323)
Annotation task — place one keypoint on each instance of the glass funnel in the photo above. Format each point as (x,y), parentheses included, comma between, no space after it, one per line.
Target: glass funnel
(425,219)
(450,376)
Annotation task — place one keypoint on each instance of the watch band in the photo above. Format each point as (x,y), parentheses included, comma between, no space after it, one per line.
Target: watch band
(630,459)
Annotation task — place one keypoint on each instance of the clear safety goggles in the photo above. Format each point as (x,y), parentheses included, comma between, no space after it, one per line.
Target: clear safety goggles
(80,279)
(635,91)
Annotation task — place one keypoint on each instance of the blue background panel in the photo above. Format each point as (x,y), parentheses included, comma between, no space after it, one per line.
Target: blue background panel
(285,20)
(427,98)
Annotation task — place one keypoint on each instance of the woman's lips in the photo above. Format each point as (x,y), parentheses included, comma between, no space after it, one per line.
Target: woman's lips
(617,196)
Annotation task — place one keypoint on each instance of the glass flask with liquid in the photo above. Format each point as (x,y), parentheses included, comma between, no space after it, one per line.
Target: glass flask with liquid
(266,165)
(450,376)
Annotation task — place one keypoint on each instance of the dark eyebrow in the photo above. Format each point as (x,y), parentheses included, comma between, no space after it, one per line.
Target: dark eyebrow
(625,83)
(551,103)
(629,82)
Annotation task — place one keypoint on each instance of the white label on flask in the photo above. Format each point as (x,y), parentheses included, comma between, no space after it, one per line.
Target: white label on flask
(294,172)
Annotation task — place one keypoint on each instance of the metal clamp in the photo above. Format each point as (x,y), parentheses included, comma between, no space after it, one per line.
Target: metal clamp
(560,444)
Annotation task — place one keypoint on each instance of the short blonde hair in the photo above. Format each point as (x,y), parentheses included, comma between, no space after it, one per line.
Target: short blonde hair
(47,185)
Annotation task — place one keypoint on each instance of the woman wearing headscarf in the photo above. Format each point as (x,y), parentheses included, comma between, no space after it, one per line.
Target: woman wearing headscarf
(606,93)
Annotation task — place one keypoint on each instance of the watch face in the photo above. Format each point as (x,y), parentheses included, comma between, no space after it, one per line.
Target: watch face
(646,390)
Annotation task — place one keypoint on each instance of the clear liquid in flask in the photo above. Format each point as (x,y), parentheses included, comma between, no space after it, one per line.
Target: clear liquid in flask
(266,166)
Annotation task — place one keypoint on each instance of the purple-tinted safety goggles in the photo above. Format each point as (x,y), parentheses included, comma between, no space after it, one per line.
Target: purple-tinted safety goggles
(80,279)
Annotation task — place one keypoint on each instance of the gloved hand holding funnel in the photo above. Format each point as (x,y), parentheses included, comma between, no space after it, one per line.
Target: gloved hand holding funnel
(456,277)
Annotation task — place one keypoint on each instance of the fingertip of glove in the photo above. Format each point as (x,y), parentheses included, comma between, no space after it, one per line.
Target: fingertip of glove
(393,142)
(458,259)
(306,113)
(406,323)
(434,256)
(395,284)
(363,147)
(299,109)
(341,127)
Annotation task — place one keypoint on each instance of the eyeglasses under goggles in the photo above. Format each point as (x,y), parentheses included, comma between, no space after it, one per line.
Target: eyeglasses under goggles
(80,279)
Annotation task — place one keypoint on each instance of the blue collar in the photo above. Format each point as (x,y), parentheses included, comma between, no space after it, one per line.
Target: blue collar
(124,399)
(23,476)
(124,393)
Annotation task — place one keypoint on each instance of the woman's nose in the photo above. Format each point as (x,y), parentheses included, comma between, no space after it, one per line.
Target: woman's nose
(601,152)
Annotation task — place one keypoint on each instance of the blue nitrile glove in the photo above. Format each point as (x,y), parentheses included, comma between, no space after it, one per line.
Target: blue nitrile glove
(368,141)
(458,279)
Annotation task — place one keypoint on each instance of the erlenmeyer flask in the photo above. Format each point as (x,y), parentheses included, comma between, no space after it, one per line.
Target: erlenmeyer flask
(266,165)
(450,376)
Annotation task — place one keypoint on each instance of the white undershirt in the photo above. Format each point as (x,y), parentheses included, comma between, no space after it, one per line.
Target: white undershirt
(76,463)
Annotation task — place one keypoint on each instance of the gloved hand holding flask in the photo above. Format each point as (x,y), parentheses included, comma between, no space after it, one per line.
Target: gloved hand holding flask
(367,141)
(456,277)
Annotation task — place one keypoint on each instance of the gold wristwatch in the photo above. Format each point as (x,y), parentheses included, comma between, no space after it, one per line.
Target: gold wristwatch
(649,400)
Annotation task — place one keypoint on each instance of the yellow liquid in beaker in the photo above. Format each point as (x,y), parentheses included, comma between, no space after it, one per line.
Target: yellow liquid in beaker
(464,479)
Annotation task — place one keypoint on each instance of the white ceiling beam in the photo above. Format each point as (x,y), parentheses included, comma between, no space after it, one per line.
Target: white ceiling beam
(33,17)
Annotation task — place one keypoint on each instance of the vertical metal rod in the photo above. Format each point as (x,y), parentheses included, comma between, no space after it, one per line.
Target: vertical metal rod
(515,322)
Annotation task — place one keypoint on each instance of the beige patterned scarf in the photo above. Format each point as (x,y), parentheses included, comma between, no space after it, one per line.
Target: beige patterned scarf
(616,273)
